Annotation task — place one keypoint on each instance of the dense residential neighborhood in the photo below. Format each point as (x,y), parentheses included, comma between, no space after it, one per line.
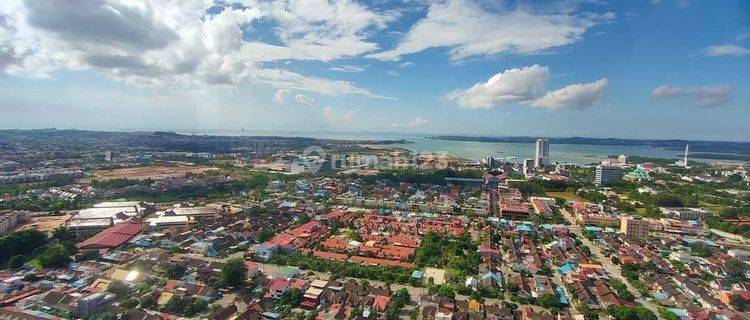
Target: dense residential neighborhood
(243,237)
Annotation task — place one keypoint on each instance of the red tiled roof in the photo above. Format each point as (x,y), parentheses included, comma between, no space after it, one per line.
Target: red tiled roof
(330,255)
(381,302)
(278,285)
(114,236)
(250,265)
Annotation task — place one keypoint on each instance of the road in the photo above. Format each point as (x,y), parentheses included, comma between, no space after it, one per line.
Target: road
(607,264)
(730,237)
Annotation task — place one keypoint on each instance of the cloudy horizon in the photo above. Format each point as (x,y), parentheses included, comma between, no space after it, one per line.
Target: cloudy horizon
(641,69)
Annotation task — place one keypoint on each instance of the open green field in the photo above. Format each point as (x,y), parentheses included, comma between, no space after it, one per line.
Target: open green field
(565,195)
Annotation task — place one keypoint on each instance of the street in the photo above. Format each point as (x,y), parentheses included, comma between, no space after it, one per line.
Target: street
(607,264)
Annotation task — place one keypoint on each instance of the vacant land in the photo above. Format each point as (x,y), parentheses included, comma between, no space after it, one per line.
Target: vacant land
(45,223)
(565,195)
(151,172)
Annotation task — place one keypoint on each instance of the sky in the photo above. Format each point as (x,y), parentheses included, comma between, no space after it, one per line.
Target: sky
(593,68)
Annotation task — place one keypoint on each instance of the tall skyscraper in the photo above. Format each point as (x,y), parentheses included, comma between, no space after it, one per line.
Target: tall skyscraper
(541,157)
(606,175)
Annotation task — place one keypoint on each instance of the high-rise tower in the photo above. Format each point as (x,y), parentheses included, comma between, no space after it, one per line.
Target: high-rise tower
(541,156)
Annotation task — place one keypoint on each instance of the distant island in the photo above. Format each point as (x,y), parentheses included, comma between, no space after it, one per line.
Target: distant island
(725,149)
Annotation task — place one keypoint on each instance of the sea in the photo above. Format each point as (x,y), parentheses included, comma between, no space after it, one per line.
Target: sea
(474,150)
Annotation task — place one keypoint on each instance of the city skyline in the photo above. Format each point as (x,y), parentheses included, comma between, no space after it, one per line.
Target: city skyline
(647,69)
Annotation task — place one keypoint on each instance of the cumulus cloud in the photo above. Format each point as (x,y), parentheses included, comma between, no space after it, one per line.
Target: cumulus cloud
(164,43)
(513,85)
(418,121)
(575,96)
(526,86)
(301,99)
(469,29)
(704,97)
(338,117)
(726,50)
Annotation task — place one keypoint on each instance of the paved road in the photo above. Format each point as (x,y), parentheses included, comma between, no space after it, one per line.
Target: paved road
(734,238)
(607,264)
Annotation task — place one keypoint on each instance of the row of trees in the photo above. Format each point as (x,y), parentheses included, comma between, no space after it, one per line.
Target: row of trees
(23,246)
(21,243)
(345,268)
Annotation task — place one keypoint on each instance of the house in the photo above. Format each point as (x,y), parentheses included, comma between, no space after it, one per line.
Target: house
(224,313)
(491,279)
(471,282)
(380,303)
(727,296)
(277,287)
(10,284)
(92,303)
(252,269)
(264,251)
(444,314)
(495,312)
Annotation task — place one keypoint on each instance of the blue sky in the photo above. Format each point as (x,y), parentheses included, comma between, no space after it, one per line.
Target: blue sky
(634,69)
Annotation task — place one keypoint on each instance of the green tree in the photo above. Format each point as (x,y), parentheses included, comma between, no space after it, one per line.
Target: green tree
(414,314)
(303,218)
(175,271)
(129,303)
(737,302)
(292,297)
(194,306)
(512,287)
(631,313)
(666,315)
(62,234)
(548,301)
(147,301)
(55,256)
(21,243)
(264,235)
(587,313)
(401,297)
(16,261)
(392,313)
(118,288)
(233,272)
(735,271)
(445,291)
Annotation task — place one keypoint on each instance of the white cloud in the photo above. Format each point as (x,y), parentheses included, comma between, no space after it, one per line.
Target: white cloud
(301,99)
(726,50)
(704,97)
(469,29)
(575,96)
(347,69)
(417,122)
(407,64)
(513,85)
(338,117)
(278,96)
(526,86)
(162,43)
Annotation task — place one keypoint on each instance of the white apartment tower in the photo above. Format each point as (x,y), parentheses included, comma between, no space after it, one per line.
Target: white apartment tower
(685,162)
(541,157)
